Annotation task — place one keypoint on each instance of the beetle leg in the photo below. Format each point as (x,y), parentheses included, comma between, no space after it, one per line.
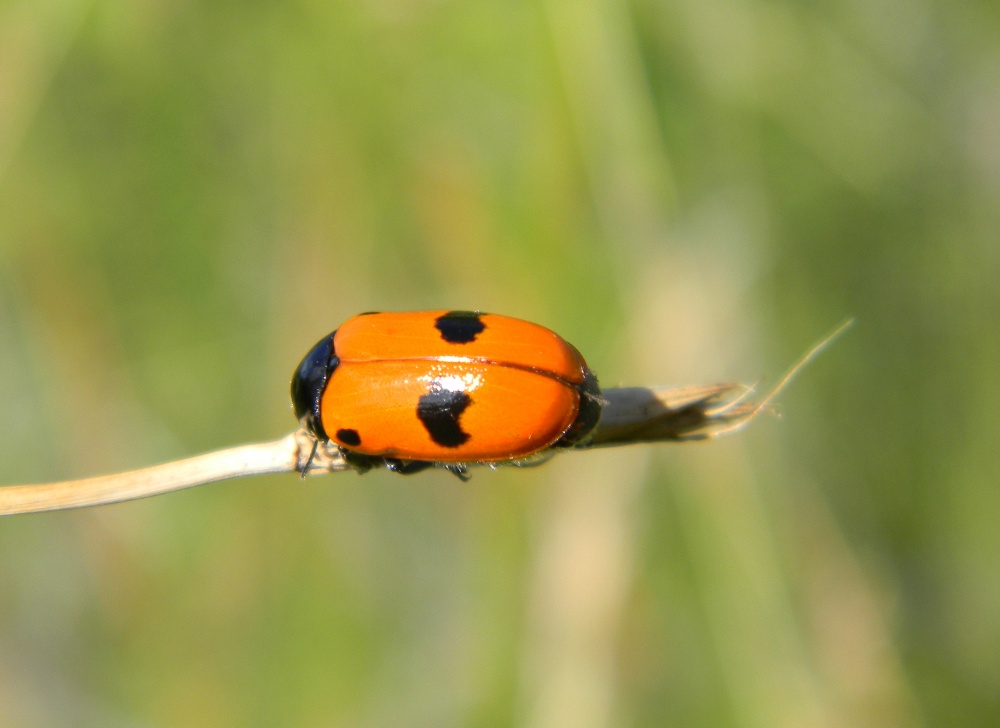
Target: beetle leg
(406,467)
(361,463)
(409,467)
(304,468)
(460,471)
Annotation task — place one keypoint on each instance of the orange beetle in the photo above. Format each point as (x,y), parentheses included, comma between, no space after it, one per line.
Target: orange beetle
(448,388)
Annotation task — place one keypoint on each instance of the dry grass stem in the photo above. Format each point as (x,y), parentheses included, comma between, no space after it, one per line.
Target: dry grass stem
(631,415)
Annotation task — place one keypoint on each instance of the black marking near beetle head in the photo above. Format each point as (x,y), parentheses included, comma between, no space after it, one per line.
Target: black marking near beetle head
(439,411)
(460,327)
(587,416)
(349,437)
(308,384)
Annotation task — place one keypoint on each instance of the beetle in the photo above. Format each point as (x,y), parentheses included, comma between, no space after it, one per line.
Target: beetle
(419,389)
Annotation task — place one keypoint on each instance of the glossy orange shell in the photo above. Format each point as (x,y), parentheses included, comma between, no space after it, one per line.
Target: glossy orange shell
(504,341)
(519,383)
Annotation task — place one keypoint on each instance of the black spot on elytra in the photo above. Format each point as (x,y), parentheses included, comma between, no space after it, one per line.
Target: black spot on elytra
(351,438)
(460,327)
(439,411)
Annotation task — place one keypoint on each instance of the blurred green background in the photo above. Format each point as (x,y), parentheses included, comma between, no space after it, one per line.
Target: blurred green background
(690,191)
